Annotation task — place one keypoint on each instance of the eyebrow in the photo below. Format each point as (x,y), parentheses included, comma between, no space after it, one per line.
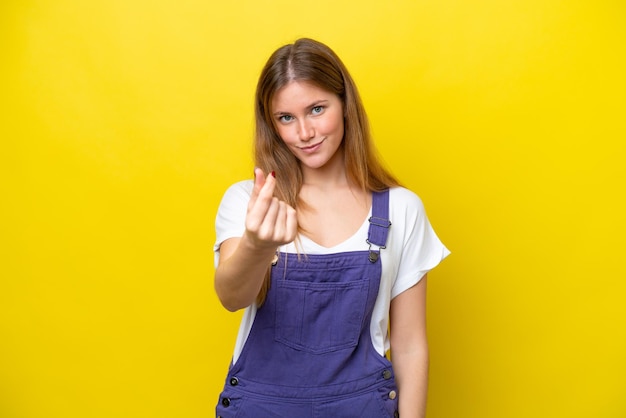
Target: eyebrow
(311,106)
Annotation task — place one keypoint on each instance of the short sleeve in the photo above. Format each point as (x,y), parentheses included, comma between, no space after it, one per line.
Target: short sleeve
(421,248)
(230,221)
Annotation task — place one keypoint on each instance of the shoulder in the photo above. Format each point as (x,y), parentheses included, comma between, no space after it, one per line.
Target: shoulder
(231,213)
(235,200)
(405,201)
(240,190)
(243,186)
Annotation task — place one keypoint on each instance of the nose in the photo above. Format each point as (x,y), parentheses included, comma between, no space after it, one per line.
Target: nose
(305,130)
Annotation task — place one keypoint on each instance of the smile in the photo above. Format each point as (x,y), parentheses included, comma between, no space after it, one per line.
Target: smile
(312,148)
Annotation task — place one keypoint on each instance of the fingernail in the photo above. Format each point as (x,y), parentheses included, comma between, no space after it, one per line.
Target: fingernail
(274,174)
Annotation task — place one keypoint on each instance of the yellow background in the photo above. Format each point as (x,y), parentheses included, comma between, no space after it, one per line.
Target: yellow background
(123,122)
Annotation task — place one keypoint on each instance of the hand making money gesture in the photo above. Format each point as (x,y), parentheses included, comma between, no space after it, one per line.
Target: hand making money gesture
(270,222)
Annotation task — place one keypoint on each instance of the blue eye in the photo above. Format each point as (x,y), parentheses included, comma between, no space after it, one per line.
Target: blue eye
(316,110)
(285,118)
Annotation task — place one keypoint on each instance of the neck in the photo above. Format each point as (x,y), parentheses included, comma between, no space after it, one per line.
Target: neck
(331,175)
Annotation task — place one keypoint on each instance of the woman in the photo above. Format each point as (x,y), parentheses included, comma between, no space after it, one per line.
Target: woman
(323,249)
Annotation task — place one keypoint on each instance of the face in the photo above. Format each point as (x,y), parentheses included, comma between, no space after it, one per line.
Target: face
(310,122)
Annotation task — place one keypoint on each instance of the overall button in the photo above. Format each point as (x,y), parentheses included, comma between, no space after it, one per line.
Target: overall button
(392,395)
(234,381)
(396,414)
(386,374)
(226,402)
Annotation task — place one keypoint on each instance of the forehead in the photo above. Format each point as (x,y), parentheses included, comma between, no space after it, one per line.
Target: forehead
(299,94)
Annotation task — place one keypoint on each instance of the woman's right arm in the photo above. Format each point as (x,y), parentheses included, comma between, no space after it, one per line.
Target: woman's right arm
(244,261)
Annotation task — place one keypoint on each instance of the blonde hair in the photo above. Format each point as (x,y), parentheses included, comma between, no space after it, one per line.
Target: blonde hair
(311,61)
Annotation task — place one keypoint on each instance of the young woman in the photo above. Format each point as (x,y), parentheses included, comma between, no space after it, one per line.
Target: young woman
(326,253)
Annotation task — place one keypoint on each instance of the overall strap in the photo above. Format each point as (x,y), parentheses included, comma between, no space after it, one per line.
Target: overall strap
(379,223)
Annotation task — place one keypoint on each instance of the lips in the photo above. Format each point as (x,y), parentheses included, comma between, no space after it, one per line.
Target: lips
(312,148)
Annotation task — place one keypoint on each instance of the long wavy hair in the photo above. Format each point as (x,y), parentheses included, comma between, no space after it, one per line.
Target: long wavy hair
(312,61)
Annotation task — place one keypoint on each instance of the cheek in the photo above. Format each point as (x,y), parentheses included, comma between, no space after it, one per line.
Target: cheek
(284,133)
(334,125)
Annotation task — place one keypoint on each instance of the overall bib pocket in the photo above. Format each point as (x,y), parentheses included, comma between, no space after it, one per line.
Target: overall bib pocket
(320,317)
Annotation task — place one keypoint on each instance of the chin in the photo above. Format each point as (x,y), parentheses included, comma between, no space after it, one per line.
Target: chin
(315,164)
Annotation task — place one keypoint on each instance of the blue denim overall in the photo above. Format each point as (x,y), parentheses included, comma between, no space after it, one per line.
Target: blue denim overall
(309,352)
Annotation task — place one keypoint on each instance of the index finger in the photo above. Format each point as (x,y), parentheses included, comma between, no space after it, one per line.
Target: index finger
(266,192)
(259,181)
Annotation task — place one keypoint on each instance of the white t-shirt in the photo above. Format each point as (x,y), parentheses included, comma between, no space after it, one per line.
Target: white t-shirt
(412,250)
